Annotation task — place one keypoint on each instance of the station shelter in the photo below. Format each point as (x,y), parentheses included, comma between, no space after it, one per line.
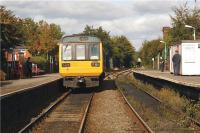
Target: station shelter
(190,57)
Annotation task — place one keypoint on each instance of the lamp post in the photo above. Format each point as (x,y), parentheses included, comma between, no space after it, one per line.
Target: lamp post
(165,57)
(165,49)
(188,26)
(153,63)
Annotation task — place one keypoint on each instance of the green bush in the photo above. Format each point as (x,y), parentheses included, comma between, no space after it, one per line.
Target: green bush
(40,61)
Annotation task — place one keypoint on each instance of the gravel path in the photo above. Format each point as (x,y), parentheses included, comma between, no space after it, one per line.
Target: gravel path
(108,112)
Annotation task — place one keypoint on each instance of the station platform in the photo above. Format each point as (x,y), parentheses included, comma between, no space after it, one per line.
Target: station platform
(12,86)
(192,81)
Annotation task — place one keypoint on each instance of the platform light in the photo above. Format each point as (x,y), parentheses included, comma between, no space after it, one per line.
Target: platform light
(59,43)
(165,58)
(189,26)
(165,49)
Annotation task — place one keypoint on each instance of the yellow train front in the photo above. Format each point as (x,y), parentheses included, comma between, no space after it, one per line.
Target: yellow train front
(81,61)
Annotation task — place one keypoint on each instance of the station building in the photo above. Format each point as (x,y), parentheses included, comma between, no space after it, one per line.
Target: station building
(15,59)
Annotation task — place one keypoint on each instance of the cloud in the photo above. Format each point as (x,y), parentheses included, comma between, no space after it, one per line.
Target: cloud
(153,6)
(89,10)
(138,20)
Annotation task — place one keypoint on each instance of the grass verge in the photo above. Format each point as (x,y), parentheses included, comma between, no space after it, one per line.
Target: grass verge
(169,97)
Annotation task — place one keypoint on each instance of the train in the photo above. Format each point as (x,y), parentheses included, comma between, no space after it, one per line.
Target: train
(81,61)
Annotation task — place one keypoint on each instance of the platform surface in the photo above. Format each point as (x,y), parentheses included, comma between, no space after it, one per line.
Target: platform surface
(193,81)
(12,86)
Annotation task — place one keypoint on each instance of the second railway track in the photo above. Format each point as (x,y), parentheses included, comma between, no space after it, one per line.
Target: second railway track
(178,112)
(67,114)
(140,124)
(143,125)
(156,104)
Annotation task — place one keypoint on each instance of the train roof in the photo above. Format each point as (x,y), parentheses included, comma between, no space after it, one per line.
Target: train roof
(79,38)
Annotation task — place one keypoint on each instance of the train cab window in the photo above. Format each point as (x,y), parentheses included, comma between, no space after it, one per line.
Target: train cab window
(80,52)
(94,52)
(67,52)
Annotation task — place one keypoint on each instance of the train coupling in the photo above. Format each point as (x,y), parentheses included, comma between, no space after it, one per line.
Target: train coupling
(76,82)
(81,80)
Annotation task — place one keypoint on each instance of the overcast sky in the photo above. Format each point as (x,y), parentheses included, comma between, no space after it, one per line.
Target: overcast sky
(138,20)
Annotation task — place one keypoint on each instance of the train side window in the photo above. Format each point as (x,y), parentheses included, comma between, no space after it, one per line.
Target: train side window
(94,52)
(80,52)
(67,52)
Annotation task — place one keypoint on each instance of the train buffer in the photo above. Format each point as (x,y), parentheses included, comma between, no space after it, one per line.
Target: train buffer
(13,86)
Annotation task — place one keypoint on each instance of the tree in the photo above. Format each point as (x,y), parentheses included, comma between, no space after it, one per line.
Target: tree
(55,36)
(11,36)
(185,15)
(122,51)
(31,35)
(149,50)
(41,37)
(103,36)
(118,48)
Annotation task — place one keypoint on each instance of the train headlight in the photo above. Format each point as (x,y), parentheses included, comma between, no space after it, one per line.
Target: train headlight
(95,64)
(65,64)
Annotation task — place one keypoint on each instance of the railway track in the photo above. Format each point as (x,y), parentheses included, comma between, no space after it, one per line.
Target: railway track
(167,106)
(66,114)
(176,111)
(157,102)
(143,127)
(35,124)
(115,74)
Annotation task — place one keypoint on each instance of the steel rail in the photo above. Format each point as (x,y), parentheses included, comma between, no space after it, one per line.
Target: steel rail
(81,128)
(120,72)
(113,72)
(129,105)
(164,104)
(44,113)
(161,102)
(137,115)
